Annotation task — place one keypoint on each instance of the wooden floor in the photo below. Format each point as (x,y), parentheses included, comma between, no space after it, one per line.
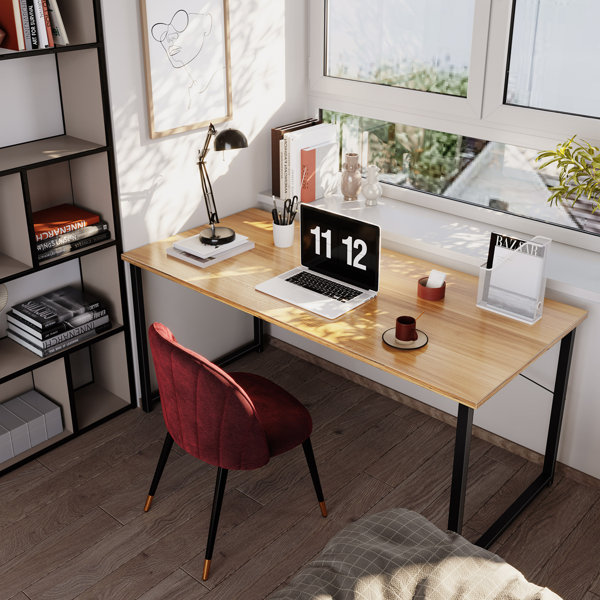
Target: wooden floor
(72,525)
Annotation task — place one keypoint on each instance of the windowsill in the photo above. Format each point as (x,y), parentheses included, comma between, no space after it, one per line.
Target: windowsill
(460,243)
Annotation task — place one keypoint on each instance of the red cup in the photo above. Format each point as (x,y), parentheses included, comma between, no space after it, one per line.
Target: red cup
(406,329)
(430,293)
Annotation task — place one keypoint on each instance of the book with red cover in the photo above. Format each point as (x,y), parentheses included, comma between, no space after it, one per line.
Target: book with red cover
(318,168)
(47,23)
(60,219)
(11,24)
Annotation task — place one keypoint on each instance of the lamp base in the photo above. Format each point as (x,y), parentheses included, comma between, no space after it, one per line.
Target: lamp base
(218,236)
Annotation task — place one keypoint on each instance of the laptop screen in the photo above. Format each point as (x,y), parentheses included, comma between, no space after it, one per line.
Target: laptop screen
(340,247)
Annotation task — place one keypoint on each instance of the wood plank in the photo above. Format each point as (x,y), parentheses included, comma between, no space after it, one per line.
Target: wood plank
(118,547)
(472,355)
(294,547)
(20,480)
(428,481)
(538,533)
(133,427)
(157,561)
(326,442)
(502,499)
(177,586)
(415,450)
(48,519)
(52,488)
(486,476)
(575,566)
(47,556)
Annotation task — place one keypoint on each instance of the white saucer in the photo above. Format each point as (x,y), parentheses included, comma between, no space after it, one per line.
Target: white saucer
(389,337)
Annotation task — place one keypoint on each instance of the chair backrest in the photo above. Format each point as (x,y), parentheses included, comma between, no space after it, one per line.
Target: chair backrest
(206,412)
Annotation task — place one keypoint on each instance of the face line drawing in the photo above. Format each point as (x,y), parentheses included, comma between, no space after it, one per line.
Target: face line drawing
(180,47)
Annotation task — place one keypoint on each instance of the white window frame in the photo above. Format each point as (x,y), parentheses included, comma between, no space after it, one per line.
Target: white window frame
(481,115)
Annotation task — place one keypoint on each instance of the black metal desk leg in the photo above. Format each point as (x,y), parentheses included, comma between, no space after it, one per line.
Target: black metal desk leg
(462,447)
(258,334)
(558,405)
(545,478)
(139,318)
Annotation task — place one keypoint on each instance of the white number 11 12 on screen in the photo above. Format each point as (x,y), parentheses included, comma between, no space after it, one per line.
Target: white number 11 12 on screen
(351,244)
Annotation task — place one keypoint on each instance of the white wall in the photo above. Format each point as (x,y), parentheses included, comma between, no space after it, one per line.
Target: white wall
(159,185)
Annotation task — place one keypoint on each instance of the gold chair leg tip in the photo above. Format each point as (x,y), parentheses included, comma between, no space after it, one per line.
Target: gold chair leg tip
(206,570)
(323,508)
(148,503)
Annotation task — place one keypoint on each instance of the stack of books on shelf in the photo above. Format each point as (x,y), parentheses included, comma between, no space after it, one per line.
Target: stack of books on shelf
(193,251)
(304,159)
(57,320)
(65,228)
(32,24)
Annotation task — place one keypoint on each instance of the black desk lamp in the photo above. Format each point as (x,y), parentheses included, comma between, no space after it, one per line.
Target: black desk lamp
(228,139)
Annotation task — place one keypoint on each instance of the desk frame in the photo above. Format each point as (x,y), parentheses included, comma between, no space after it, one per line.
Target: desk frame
(463,427)
(561,322)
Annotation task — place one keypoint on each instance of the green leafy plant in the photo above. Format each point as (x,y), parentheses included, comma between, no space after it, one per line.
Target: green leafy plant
(578,171)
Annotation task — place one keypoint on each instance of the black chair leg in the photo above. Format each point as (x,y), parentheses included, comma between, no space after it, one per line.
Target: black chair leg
(214,519)
(314,473)
(162,461)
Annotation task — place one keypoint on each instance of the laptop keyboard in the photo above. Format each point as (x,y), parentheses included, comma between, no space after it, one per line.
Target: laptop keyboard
(323,286)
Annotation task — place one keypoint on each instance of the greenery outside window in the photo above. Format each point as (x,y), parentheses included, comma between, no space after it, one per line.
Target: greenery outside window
(501,177)
(420,45)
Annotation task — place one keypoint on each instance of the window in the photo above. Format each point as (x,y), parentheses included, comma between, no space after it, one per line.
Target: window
(398,43)
(553,56)
(499,176)
(530,84)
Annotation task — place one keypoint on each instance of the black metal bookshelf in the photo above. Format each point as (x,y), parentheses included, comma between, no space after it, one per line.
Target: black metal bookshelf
(93,380)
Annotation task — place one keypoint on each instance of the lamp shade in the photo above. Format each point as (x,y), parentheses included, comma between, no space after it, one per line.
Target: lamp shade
(230,139)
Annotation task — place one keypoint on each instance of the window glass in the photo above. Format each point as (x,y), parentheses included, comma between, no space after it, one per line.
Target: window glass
(498,176)
(554,56)
(416,44)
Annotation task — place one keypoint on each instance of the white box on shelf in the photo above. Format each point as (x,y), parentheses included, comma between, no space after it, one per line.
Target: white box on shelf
(50,410)
(516,283)
(35,419)
(6,451)
(19,434)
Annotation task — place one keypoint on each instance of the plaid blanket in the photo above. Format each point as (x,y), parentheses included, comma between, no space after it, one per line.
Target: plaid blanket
(400,555)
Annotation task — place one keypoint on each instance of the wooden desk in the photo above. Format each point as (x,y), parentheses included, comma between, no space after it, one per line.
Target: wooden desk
(471,353)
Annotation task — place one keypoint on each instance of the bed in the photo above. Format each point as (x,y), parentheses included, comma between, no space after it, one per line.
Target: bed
(399,555)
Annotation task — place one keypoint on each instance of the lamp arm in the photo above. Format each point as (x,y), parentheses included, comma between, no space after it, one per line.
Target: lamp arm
(207,191)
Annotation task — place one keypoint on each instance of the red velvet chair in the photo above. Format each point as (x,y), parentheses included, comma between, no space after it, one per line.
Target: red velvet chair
(232,421)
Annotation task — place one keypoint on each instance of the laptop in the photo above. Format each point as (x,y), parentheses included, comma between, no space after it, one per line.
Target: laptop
(340,265)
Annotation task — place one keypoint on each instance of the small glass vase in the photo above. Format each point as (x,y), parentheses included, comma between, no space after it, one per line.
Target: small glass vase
(351,178)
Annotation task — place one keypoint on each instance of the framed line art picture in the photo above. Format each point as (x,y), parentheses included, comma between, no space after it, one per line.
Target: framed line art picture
(186,52)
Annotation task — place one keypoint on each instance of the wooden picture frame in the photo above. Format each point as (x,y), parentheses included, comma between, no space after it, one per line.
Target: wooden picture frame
(187,63)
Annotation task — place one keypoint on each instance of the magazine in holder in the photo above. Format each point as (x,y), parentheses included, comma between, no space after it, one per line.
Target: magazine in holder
(516,283)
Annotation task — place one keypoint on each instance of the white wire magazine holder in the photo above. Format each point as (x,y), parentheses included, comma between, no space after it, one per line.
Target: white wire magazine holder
(515,285)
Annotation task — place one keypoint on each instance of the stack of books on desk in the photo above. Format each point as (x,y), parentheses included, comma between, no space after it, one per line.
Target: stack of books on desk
(193,251)
(65,228)
(56,320)
(304,159)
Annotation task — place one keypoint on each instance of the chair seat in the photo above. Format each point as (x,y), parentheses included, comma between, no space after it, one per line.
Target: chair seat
(285,420)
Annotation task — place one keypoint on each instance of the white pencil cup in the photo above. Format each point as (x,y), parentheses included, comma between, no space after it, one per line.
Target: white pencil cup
(283,235)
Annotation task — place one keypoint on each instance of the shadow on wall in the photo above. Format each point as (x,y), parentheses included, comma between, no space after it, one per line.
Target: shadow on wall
(159,183)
